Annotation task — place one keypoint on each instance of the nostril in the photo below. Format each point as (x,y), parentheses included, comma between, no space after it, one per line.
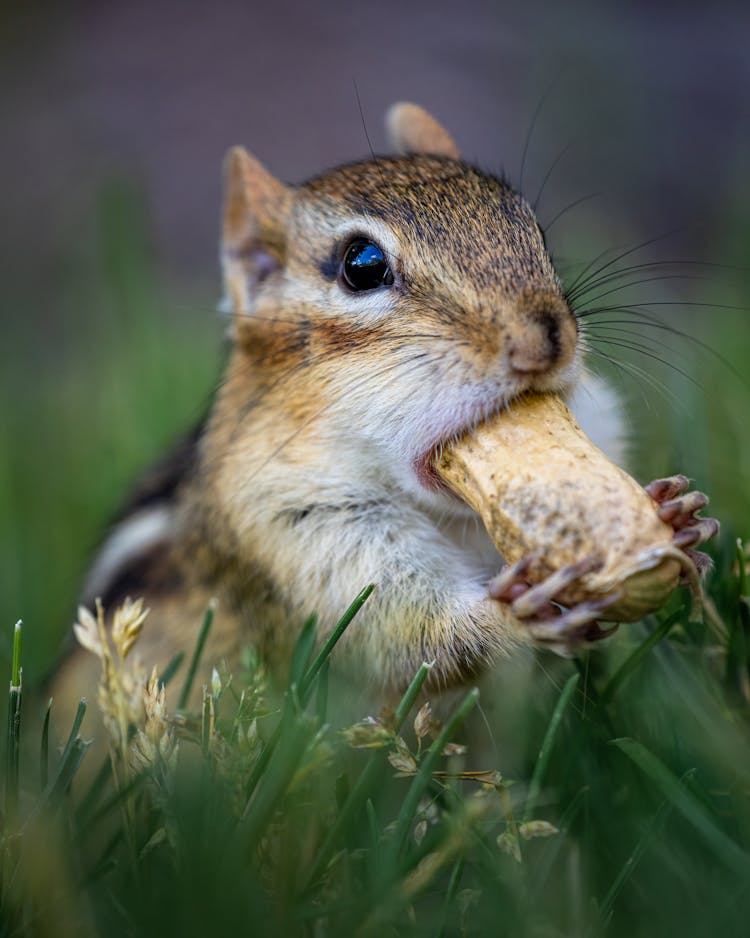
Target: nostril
(538,345)
(550,325)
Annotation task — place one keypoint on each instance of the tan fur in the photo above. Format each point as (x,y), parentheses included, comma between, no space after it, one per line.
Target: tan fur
(306,485)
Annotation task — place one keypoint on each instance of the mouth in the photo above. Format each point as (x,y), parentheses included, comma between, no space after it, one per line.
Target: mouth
(423,464)
(471,417)
(426,474)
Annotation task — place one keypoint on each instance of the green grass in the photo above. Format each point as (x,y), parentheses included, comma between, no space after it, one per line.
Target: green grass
(638,753)
(628,810)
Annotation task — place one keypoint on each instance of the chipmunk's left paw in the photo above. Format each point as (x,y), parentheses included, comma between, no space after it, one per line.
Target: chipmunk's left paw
(679,508)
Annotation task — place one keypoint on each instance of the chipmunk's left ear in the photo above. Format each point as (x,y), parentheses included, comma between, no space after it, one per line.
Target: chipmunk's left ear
(412,130)
(254,227)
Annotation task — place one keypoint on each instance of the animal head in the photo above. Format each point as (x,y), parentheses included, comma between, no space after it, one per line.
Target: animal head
(389,304)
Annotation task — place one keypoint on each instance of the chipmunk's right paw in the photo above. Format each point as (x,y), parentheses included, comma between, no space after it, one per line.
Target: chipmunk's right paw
(565,631)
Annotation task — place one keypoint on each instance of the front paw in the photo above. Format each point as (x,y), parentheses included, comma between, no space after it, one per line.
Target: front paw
(563,630)
(679,508)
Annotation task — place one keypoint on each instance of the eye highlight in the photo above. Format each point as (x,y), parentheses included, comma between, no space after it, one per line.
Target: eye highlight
(364,267)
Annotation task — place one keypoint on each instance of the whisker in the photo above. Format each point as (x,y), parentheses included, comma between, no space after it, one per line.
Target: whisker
(646,320)
(632,268)
(658,358)
(629,334)
(640,375)
(638,247)
(613,276)
(625,369)
(569,207)
(588,266)
(636,283)
(547,175)
(685,303)
(532,125)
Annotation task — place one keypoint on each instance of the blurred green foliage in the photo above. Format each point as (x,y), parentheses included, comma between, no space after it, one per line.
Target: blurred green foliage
(115,374)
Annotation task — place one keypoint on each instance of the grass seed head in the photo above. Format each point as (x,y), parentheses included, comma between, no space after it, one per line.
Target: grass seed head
(369,733)
(127,624)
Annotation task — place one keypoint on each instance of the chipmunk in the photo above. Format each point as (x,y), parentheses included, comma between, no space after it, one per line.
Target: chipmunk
(377,311)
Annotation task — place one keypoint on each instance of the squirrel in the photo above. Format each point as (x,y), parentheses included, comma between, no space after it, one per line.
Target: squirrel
(377,311)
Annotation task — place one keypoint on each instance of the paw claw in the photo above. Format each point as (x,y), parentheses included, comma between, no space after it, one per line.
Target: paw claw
(678,511)
(575,630)
(662,490)
(699,531)
(504,585)
(576,626)
(536,598)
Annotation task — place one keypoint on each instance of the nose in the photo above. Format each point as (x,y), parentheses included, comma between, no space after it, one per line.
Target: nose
(537,345)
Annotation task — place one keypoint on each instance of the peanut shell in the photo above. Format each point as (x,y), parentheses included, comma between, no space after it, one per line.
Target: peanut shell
(543,490)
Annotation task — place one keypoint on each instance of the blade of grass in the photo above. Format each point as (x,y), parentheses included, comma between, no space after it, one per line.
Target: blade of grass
(107,865)
(16,667)
(13,742)
(633,661)
(197,653)
(544,865)
(10,852)
(75,727)
(412,692)
(333,638)
(44,748)
(58,786)
(365,781)
(742,568)
(172,668)
(542,760)
(68,768)
(644,842)
(207,722)
(396,892)
(426,766)
(295,735)
(90,820)
(450,892)
(374,828)
(72,755)
(321,695)
(302,651)
(686,803)
(95,789)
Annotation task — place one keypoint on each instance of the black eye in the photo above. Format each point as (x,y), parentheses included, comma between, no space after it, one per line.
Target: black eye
(364,266)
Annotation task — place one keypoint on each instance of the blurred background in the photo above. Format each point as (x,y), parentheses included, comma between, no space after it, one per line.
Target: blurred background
(115,119)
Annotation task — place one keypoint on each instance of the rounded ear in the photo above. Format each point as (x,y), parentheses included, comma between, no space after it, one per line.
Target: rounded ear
(255,218)
(412,130)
